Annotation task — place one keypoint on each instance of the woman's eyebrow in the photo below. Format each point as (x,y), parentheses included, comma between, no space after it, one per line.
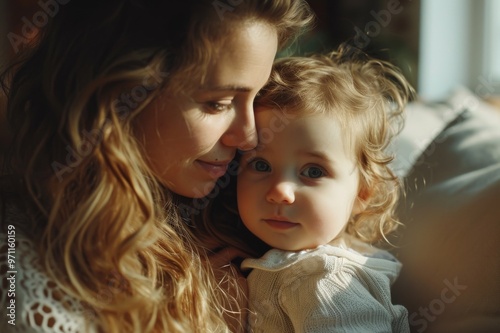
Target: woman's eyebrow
(229,87)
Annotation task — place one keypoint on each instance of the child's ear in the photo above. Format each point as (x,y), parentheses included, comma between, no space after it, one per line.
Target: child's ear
(361,201)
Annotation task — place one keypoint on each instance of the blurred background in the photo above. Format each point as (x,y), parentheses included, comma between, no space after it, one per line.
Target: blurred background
(439,44)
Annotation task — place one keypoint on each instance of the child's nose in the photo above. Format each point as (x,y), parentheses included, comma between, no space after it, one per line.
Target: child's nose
(281,193)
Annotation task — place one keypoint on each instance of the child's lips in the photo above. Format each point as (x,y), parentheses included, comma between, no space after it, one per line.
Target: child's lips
(280,223)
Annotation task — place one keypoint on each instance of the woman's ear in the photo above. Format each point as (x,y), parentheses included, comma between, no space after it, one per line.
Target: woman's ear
(361,200)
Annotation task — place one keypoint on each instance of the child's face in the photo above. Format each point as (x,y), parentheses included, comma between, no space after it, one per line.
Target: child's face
(298,188)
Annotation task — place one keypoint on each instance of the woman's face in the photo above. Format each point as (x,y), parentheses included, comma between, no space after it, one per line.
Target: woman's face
(189,139)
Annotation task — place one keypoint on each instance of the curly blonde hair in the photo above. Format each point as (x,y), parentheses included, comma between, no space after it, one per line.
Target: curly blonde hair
(367,98)
(103,223)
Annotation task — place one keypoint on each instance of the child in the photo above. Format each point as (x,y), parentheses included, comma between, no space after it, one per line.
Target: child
(318,189)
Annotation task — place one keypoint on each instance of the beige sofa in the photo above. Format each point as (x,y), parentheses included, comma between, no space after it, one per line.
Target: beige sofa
(449,157)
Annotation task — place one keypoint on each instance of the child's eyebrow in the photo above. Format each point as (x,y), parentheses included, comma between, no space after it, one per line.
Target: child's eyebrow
(260,147)
(316,154)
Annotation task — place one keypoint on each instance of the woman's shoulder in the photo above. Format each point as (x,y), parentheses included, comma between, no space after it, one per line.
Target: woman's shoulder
(33,302)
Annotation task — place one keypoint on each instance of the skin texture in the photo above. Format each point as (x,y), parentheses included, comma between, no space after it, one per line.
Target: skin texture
(299,187)
(190,138)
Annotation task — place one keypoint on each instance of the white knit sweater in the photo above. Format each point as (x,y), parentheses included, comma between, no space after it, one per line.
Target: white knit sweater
(328,289)
(32,302)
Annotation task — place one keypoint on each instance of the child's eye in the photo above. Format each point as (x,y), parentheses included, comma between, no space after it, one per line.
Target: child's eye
(260,166)
(313,172)
(219,107)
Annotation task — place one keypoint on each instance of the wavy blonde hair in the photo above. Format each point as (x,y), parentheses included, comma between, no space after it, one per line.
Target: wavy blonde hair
(110,235)
(367,98)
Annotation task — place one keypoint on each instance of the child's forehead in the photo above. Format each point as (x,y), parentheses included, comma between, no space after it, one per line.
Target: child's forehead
(278,119)
(313,131)
(275,118)
(290,126)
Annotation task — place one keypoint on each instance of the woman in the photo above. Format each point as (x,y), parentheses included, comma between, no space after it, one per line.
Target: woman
(120,107)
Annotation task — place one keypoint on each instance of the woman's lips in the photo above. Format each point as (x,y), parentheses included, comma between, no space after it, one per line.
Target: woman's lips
(280,224)
(215,169)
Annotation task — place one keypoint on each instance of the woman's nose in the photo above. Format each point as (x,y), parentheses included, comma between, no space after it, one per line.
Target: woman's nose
(282,192)
(242,133)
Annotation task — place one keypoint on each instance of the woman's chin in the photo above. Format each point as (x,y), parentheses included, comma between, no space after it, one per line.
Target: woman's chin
(195,191)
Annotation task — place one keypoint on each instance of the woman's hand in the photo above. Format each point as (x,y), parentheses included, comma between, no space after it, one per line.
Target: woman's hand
(225,265)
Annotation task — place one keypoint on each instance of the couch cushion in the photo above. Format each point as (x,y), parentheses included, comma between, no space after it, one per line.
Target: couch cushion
(450,245)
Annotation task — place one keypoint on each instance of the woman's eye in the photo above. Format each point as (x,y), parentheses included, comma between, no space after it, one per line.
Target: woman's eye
(219,107)
(313,172)
(260,166)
